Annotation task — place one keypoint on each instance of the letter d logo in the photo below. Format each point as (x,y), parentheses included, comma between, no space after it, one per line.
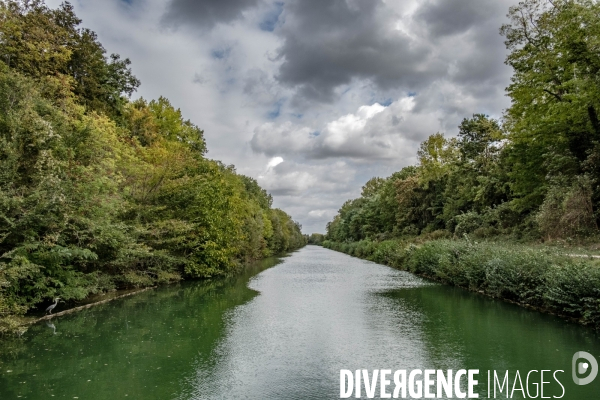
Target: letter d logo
(583,367)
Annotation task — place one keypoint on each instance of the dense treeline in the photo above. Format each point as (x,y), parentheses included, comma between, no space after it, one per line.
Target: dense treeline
(316,238)
(99,192)
(534,174)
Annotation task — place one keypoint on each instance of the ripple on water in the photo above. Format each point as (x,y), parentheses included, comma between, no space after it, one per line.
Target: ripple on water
(282,330)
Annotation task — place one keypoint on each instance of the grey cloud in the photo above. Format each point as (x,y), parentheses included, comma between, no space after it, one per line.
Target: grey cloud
(479,66)
(290,178)
(331,43)
(328,43)
(204,14)
(450,17)
(276,139)
(467,35)
(199,79)
(260,87)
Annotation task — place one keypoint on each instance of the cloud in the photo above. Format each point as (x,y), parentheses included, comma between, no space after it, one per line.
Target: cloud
(271,139)
(271,17)
(319,213)
(260,88)
(204,14)
(290,182)
(327,44)
(372,133)
(291,178)
(313,97)
(446,17)
(273,162)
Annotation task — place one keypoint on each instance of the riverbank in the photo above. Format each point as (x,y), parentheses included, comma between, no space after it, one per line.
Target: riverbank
(108,298)
(543,278)
(17,325)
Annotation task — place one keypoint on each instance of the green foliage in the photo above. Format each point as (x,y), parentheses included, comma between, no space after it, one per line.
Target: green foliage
(467,223)
(553,120)
(567,211)
(316,239)
(48,45)
(98,192)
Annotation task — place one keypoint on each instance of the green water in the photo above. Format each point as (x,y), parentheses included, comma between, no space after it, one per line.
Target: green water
(283,330)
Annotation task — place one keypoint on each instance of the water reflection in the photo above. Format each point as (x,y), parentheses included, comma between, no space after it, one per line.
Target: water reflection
(284,332)
(51,325)
(142,346)
(463,330)
(317,313)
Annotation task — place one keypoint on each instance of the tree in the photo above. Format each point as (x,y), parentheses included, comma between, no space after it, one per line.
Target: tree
(553,121)
(48,45)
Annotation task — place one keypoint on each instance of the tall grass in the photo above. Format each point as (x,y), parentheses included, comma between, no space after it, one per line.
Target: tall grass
(543,278)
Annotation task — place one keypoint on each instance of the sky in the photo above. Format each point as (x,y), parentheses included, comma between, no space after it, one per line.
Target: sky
(312,98)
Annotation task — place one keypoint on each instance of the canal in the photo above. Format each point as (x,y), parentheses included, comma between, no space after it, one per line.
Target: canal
(283,330)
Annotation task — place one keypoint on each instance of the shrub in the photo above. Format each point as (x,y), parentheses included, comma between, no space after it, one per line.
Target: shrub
(467,223)
(567,210)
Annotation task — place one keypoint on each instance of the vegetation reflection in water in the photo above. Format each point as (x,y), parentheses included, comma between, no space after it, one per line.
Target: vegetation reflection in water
(284,333)
(142,346)
(464,330)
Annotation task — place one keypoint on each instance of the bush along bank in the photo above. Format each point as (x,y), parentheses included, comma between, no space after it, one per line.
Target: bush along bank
(540,278)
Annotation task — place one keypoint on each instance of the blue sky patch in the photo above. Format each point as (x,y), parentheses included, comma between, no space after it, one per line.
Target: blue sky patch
(276,111)
(221,53)
(271,18)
